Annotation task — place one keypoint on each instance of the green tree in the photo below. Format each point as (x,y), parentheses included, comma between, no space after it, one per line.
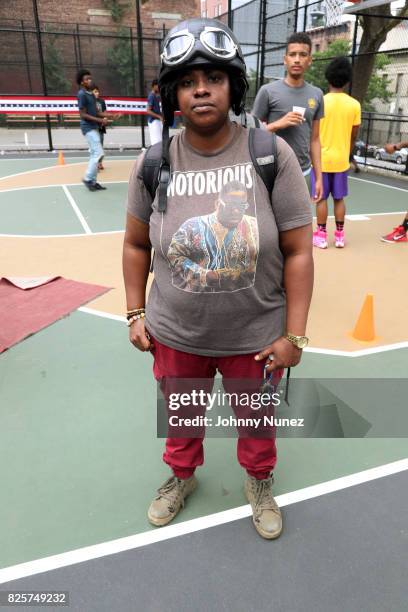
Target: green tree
(122,64)
(117,9)
(374,34)
(377,84)
(57,83)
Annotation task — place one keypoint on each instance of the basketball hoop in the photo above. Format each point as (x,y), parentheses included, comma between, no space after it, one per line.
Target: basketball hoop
(334,12)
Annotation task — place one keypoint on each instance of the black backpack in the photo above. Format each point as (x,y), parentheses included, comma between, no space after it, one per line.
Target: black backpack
(262,148)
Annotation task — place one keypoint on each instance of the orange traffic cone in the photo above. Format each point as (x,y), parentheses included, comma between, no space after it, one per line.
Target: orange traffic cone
(364,329)
(61,160)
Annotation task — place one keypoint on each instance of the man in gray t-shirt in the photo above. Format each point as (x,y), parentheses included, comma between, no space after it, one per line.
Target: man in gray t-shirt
(293,108)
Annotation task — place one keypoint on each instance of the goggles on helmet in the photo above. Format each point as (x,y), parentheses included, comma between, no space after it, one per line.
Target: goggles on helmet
(216,41)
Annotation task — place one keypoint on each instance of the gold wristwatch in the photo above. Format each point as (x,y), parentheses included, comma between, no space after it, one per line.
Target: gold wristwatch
(300,342)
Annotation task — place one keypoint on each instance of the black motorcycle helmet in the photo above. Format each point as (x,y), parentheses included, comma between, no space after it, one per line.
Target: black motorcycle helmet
(200,42)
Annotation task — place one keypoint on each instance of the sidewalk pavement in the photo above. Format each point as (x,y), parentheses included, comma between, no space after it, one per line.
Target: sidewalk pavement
(116,138)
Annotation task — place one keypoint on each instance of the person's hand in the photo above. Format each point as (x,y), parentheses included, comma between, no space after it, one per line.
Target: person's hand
(284,353)
(318,191)
(138,335)
(291,119)
(390,147)
(105,121)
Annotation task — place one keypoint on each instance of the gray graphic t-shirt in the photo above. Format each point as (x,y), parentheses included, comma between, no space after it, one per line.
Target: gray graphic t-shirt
(276,99)
(218,269)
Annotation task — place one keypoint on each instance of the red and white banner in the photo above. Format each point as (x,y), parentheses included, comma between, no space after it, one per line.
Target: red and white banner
(61,105)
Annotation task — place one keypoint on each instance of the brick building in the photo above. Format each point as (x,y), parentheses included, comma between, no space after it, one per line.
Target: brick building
(322,37)
(84,33)
(213,8)
(154,13)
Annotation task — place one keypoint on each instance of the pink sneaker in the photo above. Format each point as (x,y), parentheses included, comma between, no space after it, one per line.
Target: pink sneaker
(320,239)
(339,239)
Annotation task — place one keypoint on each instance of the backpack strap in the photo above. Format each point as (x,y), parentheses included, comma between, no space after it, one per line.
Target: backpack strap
(256,121)
(263,151)
(151,167)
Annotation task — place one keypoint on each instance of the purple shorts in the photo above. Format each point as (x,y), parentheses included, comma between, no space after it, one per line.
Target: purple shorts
(334,183)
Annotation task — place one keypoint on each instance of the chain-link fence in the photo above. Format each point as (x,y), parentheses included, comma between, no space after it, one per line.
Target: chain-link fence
(113,55)
(263,27)
(43,57)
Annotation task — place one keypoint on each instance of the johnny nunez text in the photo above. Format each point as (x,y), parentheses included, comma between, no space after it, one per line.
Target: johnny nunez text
(231,421)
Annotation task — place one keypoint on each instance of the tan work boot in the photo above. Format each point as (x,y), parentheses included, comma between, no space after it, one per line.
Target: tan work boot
(170,500)
(267,517)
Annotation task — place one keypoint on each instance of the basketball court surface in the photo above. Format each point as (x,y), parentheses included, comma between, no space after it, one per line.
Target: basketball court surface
(80,460)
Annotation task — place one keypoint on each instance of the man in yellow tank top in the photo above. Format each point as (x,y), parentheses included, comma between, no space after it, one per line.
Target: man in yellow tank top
(338,131)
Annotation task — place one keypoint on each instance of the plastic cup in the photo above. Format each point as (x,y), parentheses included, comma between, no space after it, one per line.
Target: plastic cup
(299,109)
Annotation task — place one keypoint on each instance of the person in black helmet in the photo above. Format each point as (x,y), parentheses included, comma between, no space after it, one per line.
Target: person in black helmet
(232,273)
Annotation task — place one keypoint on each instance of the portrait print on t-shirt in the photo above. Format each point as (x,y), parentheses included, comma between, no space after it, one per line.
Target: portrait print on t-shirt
(218,251)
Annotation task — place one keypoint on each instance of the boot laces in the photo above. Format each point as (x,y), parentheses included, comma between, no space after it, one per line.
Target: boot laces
(171,491)
(263,496)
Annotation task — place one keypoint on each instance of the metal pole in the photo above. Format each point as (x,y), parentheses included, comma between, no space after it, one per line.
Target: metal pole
(263,37)
(368,138)
(230,14)
(296,15)
(353,53)
(140,64)
(26,57)
(42,67)
(305,16)
(259,48)
(132,59)
(79,43)
(74,37)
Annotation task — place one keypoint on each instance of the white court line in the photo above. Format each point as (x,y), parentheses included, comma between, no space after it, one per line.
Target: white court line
(97,551)
(361,353)
(354,178)
(59,235)
(83,158)
(321,351)
(384,214)
(367,215)
(54,165)
(77,211)
(53,185)
(361,217)
(100,313)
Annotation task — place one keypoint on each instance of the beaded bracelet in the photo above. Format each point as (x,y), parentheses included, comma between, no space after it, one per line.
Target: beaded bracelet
(135,311)
(135,318)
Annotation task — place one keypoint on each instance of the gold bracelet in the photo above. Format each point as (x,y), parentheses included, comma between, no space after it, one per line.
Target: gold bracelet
(135,311)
